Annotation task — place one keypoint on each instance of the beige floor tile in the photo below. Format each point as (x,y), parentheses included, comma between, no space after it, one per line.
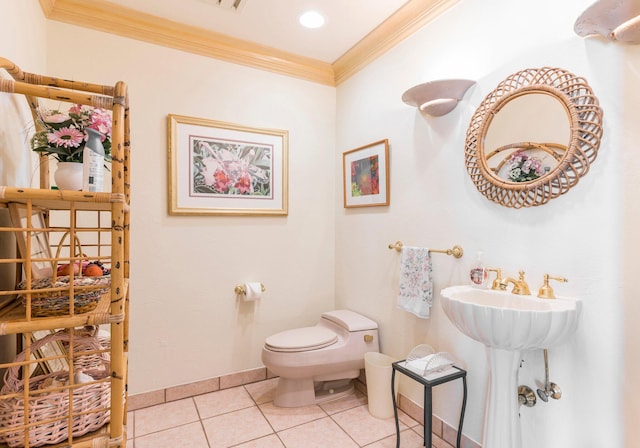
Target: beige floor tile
(365,428)
(263,391)
(140,401)
(223,401)
(164,416)
(408,421)
(344,403)
(192,389)
(130,425)
(323,433)
(408,439)
(236,427)
(437,442)
(271,441)
(284,418)
(187,436)
(240,378)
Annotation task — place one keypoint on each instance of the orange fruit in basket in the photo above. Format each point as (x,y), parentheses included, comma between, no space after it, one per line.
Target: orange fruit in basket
(65,269)
(92,270)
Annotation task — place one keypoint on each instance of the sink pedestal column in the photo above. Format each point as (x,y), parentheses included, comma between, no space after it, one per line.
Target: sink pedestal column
(501,422)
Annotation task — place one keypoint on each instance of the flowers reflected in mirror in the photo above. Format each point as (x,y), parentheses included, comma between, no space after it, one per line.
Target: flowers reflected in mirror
(524,168)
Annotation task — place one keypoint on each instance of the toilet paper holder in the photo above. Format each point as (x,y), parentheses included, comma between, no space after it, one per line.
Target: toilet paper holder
(240,289)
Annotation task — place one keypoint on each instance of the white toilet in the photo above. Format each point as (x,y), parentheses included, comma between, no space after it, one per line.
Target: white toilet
(317,364)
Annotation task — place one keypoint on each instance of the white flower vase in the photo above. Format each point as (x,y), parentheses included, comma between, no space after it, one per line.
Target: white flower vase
(68,176)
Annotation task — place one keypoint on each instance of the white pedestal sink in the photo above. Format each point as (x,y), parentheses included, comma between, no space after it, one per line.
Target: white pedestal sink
(506,324)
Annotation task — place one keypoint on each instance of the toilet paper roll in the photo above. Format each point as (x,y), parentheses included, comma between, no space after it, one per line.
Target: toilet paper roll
(253,291)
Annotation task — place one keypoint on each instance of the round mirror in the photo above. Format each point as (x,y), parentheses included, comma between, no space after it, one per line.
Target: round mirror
(533,137)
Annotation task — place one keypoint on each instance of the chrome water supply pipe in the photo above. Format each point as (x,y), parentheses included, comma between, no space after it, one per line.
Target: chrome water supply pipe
(550,389)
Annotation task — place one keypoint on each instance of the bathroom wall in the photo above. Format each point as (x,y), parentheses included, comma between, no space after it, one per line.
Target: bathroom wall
(581,235)
(21,43)
(186,324)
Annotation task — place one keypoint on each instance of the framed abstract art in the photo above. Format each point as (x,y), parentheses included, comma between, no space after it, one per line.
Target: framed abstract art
(366,175)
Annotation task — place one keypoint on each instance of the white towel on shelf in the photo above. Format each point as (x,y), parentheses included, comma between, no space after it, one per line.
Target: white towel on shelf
(415,293)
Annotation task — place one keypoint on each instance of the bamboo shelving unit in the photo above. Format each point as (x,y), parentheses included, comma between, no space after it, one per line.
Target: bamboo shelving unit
(100,221)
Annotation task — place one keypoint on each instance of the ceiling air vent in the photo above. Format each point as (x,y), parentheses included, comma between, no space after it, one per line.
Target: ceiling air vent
(232,5)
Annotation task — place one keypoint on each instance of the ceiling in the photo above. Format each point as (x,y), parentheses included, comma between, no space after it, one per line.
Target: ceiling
(274,23)
(261,33)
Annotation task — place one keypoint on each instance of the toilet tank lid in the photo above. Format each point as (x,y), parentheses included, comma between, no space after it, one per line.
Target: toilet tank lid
(350,320)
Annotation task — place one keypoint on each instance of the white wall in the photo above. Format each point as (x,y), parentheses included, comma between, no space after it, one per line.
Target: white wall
(21,41)
(435,204)
(186,324)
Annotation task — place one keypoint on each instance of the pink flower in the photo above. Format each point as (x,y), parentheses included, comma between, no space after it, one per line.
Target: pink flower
(66,137)
(222,182)
(243,184)
(55,118)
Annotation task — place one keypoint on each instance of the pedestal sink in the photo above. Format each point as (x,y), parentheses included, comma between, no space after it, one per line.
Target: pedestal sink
(507,324)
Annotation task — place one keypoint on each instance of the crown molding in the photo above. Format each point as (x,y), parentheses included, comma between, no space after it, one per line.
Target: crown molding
(111,18)
(108,17)
(411,17)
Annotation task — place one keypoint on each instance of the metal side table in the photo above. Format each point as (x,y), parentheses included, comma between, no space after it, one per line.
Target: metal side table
(428,384)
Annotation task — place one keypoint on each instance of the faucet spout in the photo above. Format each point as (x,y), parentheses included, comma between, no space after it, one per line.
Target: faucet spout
(520,286)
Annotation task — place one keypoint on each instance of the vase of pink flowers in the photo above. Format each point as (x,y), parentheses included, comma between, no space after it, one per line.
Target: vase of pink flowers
(524,168)
(63,135)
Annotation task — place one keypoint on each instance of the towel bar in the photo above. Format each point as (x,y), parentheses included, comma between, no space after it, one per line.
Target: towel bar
(456,250)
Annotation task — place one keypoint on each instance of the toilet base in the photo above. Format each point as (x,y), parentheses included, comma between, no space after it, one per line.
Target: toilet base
(295,393)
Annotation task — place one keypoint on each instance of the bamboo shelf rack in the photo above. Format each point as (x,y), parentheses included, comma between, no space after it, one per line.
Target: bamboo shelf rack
(98,224)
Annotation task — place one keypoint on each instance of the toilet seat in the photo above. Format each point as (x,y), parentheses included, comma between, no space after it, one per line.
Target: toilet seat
(301,339)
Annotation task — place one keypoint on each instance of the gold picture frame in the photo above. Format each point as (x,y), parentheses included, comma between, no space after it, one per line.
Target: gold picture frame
(366,175)
(219,168)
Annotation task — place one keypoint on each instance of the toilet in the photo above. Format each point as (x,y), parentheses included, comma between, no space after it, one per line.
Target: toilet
(317,364)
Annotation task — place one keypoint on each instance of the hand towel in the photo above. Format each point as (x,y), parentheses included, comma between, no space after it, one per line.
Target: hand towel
(430,363)
(416,289)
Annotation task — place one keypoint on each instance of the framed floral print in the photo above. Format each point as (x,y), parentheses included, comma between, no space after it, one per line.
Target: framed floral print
(218,168)
(366,175)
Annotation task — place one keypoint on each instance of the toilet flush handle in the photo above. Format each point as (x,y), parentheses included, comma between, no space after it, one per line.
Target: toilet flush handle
(368,338)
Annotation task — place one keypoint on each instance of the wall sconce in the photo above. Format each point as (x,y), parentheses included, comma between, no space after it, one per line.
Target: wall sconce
(437,98)
(616,20)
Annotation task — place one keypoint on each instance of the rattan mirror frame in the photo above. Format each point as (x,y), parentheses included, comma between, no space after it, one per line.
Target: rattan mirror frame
(585,117)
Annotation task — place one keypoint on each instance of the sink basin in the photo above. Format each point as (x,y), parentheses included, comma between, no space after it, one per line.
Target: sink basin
(508,321)
(506,324)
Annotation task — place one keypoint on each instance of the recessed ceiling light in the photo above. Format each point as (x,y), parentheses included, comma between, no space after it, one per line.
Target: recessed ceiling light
(311,19)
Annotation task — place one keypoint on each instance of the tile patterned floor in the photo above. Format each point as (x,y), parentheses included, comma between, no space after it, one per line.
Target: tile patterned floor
(245,417)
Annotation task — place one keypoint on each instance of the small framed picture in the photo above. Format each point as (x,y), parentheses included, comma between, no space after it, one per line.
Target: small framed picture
(366,175)
(218,168)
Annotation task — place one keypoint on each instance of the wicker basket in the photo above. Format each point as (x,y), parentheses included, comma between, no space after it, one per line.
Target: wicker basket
(53,300)
(50,296)
(48,407)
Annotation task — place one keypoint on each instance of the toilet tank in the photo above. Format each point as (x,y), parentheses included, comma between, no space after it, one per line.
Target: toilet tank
(350,320)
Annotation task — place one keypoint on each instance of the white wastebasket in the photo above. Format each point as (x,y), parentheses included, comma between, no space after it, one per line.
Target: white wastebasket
(377,368)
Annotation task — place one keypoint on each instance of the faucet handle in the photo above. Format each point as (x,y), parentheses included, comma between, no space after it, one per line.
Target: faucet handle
(546,291)
(497,282)
(521,287)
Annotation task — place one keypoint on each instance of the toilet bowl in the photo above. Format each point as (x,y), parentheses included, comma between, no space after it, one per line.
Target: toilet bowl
(316,364)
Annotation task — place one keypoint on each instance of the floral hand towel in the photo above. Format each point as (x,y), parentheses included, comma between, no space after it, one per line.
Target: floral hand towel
(416,288)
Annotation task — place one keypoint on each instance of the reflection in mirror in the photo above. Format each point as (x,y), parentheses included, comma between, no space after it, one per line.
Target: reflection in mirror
(527,137)
(533,137)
